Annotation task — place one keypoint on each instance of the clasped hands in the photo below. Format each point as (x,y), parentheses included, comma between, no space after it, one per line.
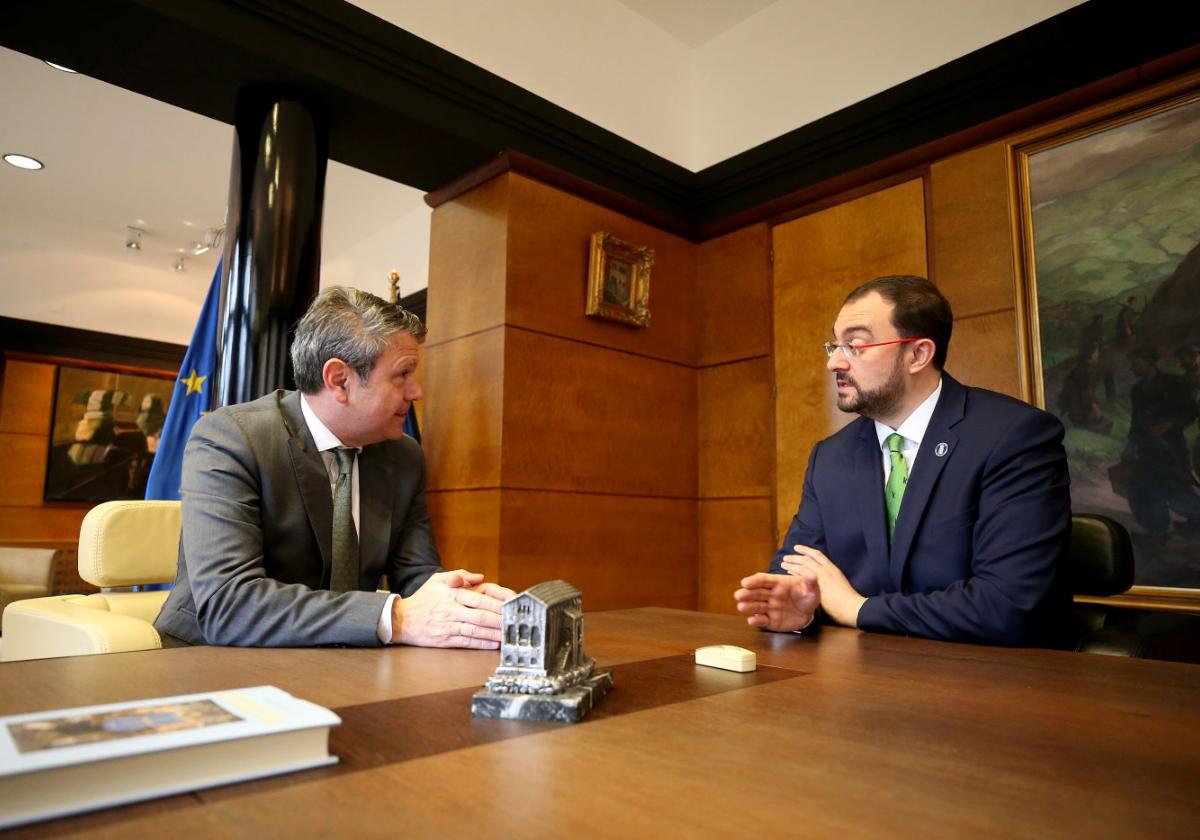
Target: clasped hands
(787,603)
(451,609)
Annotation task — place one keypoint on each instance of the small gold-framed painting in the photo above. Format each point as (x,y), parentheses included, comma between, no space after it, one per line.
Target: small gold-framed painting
(619,281)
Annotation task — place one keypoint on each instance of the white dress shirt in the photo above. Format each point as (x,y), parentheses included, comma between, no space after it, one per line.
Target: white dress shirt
(912,430)
(327,442)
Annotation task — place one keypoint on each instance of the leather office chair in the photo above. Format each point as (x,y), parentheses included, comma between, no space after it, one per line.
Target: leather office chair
(26,573)
(1100,563)
(121,545)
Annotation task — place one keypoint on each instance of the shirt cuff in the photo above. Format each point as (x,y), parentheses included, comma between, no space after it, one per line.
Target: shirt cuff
(384,630)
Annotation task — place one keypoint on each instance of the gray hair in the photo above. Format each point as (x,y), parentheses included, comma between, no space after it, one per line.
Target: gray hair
(347,324)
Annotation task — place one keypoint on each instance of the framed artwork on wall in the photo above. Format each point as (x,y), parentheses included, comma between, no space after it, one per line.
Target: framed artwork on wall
(1110,221)
(619,281)
(104,432)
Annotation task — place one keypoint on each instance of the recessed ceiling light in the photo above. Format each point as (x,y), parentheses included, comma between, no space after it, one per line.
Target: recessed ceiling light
(23,161)
(60,67)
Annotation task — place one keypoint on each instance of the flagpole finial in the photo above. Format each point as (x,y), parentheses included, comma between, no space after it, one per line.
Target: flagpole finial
(394,281)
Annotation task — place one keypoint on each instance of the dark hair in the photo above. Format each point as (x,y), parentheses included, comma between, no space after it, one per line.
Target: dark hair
(921,311)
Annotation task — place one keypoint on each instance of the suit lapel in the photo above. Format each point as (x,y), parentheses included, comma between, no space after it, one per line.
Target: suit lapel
(937,448)
(376,489)
(312,479)
(868,478)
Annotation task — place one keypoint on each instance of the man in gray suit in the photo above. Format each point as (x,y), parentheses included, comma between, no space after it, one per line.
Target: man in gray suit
(295,504)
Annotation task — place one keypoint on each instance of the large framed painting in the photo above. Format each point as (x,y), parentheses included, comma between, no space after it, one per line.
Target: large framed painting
(104,433)
(1110,214)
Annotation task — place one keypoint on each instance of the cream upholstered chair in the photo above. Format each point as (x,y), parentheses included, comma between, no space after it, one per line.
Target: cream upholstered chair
(121,544)
(25,573)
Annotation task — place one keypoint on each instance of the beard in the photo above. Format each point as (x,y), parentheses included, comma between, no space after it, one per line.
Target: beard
(874,405)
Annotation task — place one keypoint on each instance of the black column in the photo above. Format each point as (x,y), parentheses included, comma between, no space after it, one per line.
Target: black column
(273,241)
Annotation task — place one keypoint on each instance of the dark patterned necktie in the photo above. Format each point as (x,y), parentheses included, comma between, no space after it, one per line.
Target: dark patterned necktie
(344,577)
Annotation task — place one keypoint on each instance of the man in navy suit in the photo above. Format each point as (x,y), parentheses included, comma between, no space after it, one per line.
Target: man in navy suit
(943,511)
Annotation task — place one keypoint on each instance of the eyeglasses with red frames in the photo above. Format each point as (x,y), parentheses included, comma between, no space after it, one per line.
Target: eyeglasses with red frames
(852,351)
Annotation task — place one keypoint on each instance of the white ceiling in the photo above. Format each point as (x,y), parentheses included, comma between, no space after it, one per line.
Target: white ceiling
(115,159)
(693,80)
(699,81)
(696,23)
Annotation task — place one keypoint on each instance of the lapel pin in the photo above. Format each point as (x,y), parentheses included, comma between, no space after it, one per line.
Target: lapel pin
(941,449)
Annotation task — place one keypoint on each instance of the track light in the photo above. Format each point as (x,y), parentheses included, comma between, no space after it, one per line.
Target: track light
(133,238)
(212,239)
(178,264)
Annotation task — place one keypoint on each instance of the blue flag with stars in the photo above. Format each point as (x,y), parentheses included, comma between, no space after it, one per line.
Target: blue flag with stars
(189,401)
(410,424)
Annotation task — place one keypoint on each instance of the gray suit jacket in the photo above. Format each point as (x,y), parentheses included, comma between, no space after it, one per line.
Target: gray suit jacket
(255,551)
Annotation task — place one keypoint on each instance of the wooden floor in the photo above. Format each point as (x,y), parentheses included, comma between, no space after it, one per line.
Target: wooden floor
(850,733)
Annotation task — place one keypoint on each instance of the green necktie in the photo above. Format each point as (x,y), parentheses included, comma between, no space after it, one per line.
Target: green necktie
(897,480)
(344,576)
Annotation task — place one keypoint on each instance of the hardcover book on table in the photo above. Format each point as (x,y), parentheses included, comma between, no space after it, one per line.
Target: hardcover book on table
(65,761)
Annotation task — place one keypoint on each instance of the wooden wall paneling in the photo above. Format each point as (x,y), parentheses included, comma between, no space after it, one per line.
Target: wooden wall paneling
(737,538)
(59,521)
(468,253)
(27,398)
(25,478)
(584,418)
(971,230)
(818,259)
(736,449)
(464,393)
(736,414)
(733,287)
(621,551)
(25,519)
(549,236)
(984,353)
(466,525)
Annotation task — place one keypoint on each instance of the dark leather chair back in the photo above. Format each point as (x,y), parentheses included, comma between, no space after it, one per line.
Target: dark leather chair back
(1100,563)
(1100,558)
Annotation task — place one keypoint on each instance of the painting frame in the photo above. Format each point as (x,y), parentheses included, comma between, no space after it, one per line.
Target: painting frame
(618,286)
(1036,365)
(104,427)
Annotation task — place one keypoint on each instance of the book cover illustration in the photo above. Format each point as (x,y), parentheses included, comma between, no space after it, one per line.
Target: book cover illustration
(73,730)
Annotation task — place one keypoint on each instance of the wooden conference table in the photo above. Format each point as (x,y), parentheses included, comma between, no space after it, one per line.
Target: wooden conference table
(850,733)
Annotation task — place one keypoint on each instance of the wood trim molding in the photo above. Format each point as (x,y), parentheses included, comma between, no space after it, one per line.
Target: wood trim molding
(522,164)
(67,345)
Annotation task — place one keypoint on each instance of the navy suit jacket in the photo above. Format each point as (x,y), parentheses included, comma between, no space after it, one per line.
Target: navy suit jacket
(982,531)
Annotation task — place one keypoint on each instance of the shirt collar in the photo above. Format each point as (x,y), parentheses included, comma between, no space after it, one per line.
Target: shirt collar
(914,426)
(322,437)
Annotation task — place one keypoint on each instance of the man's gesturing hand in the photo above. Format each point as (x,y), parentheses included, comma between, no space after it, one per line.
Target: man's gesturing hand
(838,597)
(778,602)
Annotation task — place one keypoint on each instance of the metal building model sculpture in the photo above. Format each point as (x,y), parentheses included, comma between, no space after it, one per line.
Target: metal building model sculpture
(544,673)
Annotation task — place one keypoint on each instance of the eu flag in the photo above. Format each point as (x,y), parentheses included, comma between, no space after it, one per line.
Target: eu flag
(410,425)
(190,400)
